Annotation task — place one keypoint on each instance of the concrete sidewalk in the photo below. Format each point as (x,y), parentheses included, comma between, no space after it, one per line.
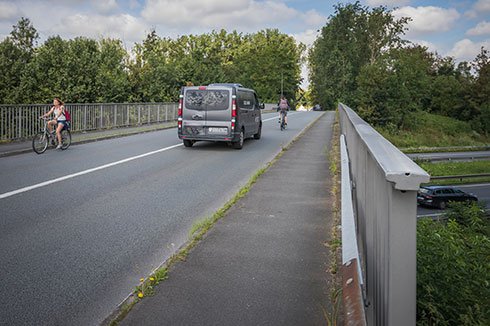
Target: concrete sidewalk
(25,146)
(265,262)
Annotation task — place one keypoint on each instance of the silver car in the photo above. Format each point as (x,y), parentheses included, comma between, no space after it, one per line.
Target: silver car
(219,112)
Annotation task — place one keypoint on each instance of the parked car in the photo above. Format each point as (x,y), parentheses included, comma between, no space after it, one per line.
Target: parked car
(439,196)
(219,112)
(317,107)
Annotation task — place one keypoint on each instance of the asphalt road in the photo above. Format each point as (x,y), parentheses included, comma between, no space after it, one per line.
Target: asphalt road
(451,156)
(74,248)
(482,191)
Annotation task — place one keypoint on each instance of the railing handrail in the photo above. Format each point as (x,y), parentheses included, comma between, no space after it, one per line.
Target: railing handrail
(112,103)
(21,121)
(398,168)
(384,189)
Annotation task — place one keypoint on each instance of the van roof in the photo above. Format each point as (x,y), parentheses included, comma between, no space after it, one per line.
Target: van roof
(226,84)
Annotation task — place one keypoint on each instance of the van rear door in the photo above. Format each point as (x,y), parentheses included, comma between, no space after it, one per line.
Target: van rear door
(206,112)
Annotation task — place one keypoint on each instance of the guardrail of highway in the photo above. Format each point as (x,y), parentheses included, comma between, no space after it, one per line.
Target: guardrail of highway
(463,176)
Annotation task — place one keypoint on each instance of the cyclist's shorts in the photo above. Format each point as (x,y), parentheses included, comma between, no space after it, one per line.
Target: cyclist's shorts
(63,122)
(285,112)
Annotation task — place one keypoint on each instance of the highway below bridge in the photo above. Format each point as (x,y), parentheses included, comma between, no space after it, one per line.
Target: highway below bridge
(80,227)
(482,191)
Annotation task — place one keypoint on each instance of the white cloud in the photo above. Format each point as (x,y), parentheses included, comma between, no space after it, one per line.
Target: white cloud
(105,6)
(430,46)
(217,14)
(8,11)
(134,4)
(479,8)
(483,28)
(427,20)
(467,50)
(313,18)
(124,27)
(307,37)
(388,3)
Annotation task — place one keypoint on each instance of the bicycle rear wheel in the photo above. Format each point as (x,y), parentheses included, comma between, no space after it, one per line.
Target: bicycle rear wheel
(65,139)
(40,142)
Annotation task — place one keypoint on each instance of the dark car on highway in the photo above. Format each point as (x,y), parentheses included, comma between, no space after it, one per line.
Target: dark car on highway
(440,196)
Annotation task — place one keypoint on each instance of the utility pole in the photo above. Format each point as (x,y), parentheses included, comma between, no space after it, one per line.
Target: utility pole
(282,84)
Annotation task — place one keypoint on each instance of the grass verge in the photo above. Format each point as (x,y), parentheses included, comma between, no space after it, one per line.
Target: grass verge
(196,234)
(423,129)
(457,168)
(334,316)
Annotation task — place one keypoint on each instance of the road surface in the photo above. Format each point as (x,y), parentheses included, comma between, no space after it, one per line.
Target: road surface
(79,228)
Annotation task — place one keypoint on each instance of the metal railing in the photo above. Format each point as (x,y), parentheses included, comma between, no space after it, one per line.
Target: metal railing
(384,189)
(22,121)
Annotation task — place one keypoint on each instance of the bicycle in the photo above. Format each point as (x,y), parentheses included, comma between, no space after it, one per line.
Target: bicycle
(283,120)
(42,139)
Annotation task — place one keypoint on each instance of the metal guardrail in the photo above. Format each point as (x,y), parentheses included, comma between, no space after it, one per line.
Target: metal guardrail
(22,121)
(463,176)
(352,281)
(385,183)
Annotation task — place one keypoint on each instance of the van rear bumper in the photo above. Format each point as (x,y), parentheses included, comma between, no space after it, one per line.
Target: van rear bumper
(235,136)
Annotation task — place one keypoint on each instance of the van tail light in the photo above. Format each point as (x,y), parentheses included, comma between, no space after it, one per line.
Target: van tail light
(429,197)
(233,109)
(180,112)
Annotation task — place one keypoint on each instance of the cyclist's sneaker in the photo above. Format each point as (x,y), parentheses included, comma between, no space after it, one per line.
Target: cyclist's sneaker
(59,146)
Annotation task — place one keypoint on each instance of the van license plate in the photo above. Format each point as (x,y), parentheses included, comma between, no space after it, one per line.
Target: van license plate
(214,130)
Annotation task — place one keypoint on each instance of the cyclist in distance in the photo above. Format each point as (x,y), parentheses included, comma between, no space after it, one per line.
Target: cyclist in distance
(283,107)
(59,119)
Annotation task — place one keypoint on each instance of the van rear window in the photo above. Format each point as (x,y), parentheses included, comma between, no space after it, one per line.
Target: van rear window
(208,100)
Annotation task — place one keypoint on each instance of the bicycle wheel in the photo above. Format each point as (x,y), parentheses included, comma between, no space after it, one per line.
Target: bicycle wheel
(65,139)
(40,142)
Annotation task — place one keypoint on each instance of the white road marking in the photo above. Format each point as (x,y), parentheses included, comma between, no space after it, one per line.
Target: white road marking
(66,177)
(276,117)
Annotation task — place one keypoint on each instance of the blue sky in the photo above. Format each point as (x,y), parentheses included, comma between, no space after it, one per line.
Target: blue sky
(456,28)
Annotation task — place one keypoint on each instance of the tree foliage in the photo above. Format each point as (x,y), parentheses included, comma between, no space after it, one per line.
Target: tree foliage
(154,70)
(362,60)
(453,268)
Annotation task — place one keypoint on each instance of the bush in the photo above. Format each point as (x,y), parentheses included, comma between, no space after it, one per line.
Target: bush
(431,130)
(453,268)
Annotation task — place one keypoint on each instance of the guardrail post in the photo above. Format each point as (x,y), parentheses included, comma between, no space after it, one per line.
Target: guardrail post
(115,115)
(139,114)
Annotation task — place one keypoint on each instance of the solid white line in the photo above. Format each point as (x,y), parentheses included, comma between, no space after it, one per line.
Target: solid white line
(276,117)
(66,177)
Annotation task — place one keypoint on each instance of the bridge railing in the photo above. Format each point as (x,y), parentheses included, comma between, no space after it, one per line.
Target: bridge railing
(22,121)
(383,187)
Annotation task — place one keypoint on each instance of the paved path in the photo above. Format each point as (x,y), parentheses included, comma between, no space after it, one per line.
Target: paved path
(265,262)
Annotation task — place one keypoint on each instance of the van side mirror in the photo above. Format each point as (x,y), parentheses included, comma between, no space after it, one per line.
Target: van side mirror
(261,106)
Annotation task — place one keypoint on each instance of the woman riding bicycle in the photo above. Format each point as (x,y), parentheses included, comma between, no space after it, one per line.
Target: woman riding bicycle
(59,119)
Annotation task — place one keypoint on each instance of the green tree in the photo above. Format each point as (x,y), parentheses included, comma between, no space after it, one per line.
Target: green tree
(354,37)
(390,89)
(112,81)
(16,51)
